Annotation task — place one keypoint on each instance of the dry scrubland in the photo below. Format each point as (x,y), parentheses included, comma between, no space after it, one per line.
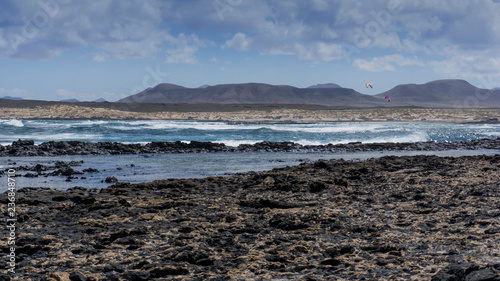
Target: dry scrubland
(254,114)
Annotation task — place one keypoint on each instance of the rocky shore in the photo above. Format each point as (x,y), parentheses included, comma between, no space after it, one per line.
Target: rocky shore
(391,218)
(55,148)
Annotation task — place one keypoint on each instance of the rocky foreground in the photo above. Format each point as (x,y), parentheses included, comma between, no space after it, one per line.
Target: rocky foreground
(392,218)
(56,148)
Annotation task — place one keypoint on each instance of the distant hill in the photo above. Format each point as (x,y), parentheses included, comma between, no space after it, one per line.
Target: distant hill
(323,86)
(12,98)
(100,100)
(70,100)
(442,93)
(253,93)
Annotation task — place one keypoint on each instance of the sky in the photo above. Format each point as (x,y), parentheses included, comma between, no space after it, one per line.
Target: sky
(89,49)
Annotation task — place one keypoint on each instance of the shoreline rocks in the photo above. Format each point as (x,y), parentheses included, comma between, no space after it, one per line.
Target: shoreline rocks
(392,218)
(56,148)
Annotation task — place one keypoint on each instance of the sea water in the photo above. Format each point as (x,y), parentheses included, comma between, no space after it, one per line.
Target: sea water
(144,131)
(148,167)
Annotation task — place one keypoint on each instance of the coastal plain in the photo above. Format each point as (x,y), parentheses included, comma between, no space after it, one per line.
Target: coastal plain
(240,113)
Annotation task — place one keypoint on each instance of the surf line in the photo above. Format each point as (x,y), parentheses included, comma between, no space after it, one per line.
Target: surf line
(11,220)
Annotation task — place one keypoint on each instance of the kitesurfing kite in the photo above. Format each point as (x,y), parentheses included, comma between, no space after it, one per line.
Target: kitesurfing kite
(369,85)
(388,98)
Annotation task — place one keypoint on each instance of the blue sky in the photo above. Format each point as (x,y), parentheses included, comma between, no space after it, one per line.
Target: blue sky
(61,49)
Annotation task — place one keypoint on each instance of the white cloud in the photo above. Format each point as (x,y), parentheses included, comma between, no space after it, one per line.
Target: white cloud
(23,93)
(239,42)
(111,96)
(121,29)
(100,57)
(386,63)
(319,52)
(3,41)
(65,94)
(320,5)
(468,64)
(309,30)
(183,48)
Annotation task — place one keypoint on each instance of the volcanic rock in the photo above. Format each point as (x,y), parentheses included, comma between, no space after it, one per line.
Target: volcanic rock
(398,218)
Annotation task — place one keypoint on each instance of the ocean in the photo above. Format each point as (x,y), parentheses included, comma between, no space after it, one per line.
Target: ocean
(141,168)
(144,131)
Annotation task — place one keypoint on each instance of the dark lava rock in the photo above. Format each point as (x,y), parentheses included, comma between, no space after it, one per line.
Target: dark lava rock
(317,186)
(467,272)
(287,222)
(77,276)
(90,170)
(52,148)
(65,171)
(330,220)
(23,143)
(169,270)
(111,179)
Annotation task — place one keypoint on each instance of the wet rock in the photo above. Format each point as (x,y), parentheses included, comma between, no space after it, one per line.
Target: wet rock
(40,168)
(23,143)
(52,148)
(65,171)
(90,170)
(111,179)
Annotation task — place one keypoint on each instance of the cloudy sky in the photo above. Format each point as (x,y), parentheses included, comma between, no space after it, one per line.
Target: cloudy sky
(87,49)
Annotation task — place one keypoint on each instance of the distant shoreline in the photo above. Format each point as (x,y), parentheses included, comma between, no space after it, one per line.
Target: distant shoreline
(256,113)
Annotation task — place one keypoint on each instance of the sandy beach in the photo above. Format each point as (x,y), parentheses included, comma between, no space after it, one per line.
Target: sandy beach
(244,113)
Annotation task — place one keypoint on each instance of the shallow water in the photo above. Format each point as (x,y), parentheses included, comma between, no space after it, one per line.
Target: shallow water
(184,165)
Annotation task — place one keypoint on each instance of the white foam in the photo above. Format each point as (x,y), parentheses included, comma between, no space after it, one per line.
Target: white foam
(336,127)
(59,137)
(417,136)
(237,142)
(90,122)
(308,142)
(493,134)
(13,122)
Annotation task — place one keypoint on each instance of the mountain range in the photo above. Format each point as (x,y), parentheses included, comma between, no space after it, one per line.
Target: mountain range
(11,98)
(439,93)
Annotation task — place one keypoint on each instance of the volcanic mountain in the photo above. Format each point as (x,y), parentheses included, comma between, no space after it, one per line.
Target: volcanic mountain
(254,93)
(442,93)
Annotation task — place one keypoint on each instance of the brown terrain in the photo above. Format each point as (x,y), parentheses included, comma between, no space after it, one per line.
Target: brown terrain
(10,109)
